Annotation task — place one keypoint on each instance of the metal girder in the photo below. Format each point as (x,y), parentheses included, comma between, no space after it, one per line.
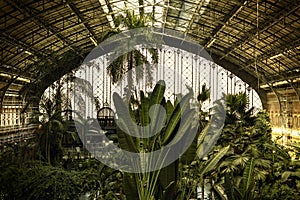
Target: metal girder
(165,12)
(14,71)
(283,48)
(293,74)
(270,17)
(141,7)
(288,79)
(205,17)
(13,26)
(4,89)
(23,45)
(199,6)
(83,21)
(179,13)
(238,62)
(41,22)
(110,11)
(276,17)
(295,89)
(224,23)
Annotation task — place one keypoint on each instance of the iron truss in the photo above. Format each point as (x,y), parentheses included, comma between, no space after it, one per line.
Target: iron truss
(258,40)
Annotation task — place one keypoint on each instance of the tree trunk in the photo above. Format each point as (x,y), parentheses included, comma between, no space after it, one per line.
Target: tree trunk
(130,77)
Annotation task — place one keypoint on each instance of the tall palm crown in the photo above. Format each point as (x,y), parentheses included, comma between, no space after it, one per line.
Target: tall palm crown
(134,59)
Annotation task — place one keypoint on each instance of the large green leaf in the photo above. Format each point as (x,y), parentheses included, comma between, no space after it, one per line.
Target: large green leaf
(156,98)
(247,181)
(182,131)
(130,186)
(207,140)
(212,163)
(176,117)
(126,141)
(219,191)
(144,110)
(191,153)
(169,109)
(168,174)
(212,131)
(125,122)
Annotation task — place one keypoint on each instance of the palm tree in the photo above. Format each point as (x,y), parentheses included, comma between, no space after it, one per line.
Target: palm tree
(133,59)
(50,129)
(51,126)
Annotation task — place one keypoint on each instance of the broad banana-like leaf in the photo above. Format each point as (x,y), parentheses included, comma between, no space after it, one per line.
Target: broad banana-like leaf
(130,186)
(215,160)
(122,110)
(190,154)
(158,93)
(168,174)
(126,141)
(208,139)
(185,125)
(156,97)
(219,191)
(247,181)
(144,110)
(169,109)
(210,134)
(144,117)
(176,117)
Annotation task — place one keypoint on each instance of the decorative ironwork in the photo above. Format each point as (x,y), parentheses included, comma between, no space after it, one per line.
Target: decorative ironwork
(180,70)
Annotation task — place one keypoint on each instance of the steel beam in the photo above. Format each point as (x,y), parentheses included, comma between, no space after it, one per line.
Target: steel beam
(27,18)
(24,46)
(199,6)
(110,11)
(276,17)
(15,71)
(29,12)
(245,76)
(225,22)
(165,12)
(179,13)
(83,21)
(283,48)
(141,7)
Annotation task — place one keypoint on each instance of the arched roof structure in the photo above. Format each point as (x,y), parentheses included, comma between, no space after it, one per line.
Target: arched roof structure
(257,40)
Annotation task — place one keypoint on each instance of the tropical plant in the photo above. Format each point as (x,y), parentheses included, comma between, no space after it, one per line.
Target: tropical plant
(238,110)
(252,156)
(177,180)
(148,185)
(203,96)
(51,126)
(134,59)
(50,130)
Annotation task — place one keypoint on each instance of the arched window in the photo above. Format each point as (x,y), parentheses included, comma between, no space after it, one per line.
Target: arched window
(105,117)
